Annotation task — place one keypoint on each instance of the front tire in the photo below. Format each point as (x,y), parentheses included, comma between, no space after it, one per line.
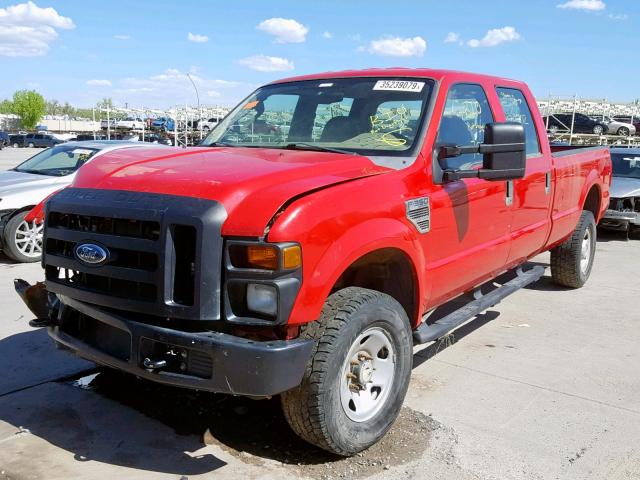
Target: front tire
(624,132)
(358,373)
(23,240)
(571,262)
(598,130)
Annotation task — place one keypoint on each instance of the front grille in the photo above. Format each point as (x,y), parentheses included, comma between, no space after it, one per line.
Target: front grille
(101,284)
(163,252)
(107,225)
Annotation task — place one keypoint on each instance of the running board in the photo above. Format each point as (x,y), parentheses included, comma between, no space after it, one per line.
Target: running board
(429,333)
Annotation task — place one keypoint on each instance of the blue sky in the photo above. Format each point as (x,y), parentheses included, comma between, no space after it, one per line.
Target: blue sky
(139,51)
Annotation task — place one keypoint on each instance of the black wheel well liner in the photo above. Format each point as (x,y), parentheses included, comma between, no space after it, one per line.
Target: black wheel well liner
(387,270)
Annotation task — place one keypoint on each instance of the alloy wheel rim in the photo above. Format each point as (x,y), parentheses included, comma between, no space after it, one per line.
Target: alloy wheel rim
(28,239)
(585,252)
(367,375)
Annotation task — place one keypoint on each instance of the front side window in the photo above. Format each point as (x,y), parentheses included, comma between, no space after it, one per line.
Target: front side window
(57,161)
(516,109)
(466,112)
(364,115)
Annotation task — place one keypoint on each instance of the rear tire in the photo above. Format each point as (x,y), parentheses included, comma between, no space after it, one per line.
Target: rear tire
(363,340)
(19,244)
(571,262)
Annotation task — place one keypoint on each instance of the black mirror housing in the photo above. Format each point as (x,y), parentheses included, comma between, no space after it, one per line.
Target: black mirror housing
(504,154)
(504,150)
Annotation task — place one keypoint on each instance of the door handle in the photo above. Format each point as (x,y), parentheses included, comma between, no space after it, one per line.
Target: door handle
(547,183)
(508,199)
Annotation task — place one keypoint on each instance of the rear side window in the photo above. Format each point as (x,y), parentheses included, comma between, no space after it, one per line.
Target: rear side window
(516,109)
(466,112)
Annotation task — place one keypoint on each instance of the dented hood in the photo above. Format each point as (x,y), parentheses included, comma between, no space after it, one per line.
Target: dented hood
(251,183)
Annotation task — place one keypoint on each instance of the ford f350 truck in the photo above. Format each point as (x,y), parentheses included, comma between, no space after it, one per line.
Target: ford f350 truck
(301,248)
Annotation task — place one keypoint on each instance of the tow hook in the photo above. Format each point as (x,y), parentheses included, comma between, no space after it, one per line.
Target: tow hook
(152,365)
(42,303)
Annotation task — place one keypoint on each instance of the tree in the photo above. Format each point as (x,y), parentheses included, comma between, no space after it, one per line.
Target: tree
(30,106)
(6,107)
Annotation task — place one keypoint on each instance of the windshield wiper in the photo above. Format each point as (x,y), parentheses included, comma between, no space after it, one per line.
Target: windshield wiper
(215,144)
(316,148)
(35,172)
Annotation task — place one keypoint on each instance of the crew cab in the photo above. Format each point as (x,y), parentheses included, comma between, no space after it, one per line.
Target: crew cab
(301,249)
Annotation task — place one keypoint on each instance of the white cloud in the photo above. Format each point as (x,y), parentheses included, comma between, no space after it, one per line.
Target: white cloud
(590,5)
(264,63)
(99,83)
(327,35)
(27,30)
(122,37)
(194,37)
(495,37)
(152,91)
(452,37)
(620,16)
(398,47)
(286,30)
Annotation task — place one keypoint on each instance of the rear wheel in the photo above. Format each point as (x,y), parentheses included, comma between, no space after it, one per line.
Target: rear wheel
(31,145)
(623,131)
(571,262)
(23,240)
(358,374)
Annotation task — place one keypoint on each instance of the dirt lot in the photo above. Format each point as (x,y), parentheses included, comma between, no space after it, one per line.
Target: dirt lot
(543,386)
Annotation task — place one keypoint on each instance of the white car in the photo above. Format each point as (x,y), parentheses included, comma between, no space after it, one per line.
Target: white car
(130,124)
(614,127)
(208,125)
(26,185)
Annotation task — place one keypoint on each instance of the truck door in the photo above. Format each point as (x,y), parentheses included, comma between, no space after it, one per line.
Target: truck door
(531,206)
(469,237)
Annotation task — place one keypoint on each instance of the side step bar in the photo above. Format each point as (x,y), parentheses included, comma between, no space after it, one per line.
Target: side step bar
(429,333)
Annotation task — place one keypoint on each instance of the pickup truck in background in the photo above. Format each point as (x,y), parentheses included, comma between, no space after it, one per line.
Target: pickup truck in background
(301,249)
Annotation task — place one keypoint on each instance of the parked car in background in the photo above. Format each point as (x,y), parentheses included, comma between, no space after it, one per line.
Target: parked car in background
(156,138)
(633,120)
(561,122)
(208,125)
(615,127)
(624,206)
(163,123)
(16,141)
(41,140)
(24,186)
(130,123)
(4,140)
(111,123)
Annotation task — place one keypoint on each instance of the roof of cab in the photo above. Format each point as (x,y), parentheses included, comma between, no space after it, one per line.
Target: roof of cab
(435,74)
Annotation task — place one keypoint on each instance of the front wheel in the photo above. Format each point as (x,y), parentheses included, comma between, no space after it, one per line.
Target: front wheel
(624,131)
(23,240)
(598,129)
(571,261)
(358,373)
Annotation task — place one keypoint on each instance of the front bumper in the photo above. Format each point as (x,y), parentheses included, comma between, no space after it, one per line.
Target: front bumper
(210,361)
(615,219)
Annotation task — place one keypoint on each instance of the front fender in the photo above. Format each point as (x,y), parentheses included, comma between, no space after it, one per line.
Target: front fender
(321,273)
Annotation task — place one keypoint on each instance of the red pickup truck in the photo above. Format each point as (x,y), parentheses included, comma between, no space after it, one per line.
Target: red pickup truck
(301,248)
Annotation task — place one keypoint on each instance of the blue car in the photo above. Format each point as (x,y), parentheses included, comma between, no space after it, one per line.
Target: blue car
(164,123)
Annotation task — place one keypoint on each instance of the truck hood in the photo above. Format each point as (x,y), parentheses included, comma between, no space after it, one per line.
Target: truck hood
(251,183)
(622,187)
(18,189)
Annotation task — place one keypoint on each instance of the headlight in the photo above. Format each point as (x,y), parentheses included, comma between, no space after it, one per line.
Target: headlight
(262,299)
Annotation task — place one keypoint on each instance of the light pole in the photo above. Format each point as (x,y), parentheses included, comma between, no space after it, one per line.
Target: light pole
(199,111)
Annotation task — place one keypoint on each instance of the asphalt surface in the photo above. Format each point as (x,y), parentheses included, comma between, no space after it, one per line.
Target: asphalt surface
(543,386)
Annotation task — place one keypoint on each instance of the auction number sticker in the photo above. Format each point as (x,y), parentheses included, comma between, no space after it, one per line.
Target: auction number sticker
(399,85)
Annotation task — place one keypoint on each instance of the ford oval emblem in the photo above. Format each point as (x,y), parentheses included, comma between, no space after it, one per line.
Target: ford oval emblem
(91,253)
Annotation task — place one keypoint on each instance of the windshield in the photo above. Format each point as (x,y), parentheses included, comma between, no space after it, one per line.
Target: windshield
(368,116)
(57,161)
(626,165)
